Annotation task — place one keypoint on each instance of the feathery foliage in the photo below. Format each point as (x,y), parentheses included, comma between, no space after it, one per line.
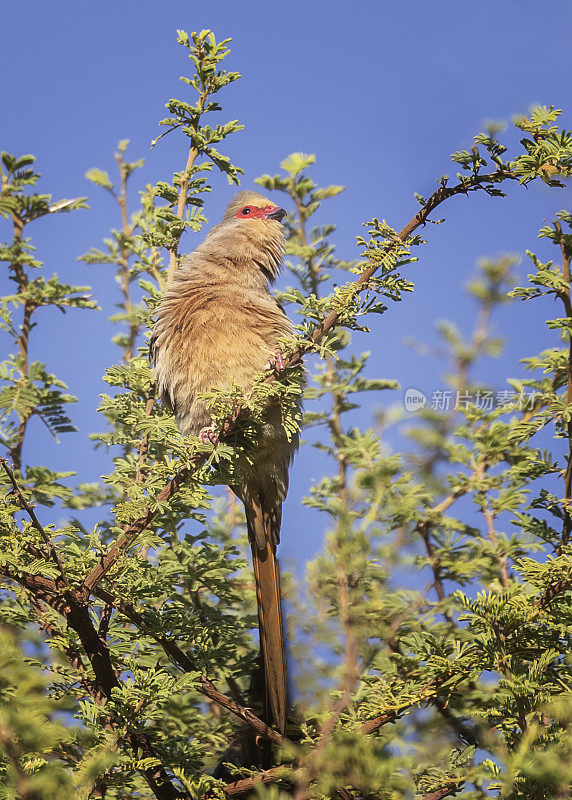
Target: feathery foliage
(432,633)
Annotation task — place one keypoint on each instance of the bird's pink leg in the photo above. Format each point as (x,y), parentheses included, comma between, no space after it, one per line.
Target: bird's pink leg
(208,435)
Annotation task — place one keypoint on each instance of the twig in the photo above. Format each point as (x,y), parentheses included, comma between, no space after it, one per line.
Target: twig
(444,792)
(501,559)
(479,473)
(144,443)
(133,529)
(566,300)
(25,328)
(123,262)
(468,735)
(9,745)
(245,785)
(72,653)
(310,766)
(423,530)
(344,794)
(184,187)
(426,693)
(553,591)
(35,522)
(170,129)
(104,621)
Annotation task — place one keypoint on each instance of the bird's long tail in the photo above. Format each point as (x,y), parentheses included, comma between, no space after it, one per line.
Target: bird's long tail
(263,538)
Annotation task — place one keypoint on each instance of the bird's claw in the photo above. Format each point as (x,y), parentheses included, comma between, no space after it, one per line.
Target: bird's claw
(208,435)
(277,362)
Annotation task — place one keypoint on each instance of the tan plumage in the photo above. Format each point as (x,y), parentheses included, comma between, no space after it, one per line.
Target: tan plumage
(218,325)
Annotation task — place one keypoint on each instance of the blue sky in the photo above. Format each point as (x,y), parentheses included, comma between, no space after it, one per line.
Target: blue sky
(381,92)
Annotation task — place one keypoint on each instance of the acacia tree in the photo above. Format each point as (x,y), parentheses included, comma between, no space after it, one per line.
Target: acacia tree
(128,656)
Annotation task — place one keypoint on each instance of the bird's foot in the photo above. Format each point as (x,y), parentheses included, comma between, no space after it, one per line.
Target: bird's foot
(208,435)
(276,362)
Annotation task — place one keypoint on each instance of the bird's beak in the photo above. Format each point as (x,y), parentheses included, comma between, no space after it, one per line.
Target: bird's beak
(277,214)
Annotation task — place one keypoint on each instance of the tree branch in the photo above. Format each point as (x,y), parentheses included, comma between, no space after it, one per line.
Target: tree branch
(446,791)
(35,522)
(553,591)
(123,263)
(187,665)
(184,187)
(46,589)
(78,618)
(565,297)
(246,785)
(133,529)
(23,339)
(439,196)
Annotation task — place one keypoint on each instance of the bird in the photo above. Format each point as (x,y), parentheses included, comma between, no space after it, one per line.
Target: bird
(217,326)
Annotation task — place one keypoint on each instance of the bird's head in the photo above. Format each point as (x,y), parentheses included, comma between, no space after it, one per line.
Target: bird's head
(251,234)
(253,207)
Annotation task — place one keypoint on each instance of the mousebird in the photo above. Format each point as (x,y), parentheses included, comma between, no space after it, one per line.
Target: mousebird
(218,325)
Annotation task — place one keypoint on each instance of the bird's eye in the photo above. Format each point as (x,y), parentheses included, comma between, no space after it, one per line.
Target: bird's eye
(246,210)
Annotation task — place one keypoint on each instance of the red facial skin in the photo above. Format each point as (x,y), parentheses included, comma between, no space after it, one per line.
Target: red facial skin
(253,212)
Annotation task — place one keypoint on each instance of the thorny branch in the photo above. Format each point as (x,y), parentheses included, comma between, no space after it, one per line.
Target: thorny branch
(144,443)
(78,618)
(553,592)
(492,534)
(439,196)
(446,791)
(246,785)
(423,528)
